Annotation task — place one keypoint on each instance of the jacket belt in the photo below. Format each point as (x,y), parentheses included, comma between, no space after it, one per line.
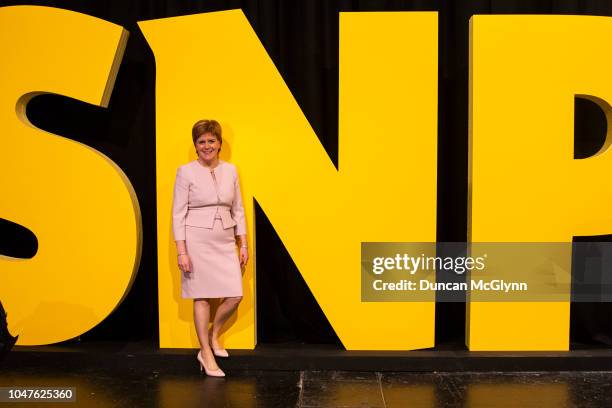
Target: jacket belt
(204,217)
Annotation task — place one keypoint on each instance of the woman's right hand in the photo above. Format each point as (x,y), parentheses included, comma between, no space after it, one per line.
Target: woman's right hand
(184,263)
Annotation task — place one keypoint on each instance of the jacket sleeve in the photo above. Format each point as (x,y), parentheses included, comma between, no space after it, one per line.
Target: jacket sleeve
(237,208)
(180,205)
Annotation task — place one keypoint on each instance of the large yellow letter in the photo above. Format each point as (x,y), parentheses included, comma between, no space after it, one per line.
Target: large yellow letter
(525,184)
(213,66)
(78,202)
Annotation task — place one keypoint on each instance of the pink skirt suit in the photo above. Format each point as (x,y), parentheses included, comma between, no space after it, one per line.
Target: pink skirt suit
(207,213)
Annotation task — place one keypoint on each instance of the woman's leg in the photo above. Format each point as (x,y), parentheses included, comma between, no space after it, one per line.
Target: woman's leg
(201,317)
(224,311)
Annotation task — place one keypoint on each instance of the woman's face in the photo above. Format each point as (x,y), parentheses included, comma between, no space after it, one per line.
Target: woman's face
(207,146)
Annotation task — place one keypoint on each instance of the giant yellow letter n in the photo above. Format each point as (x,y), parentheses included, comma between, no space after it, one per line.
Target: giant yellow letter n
(525,184)
(77,202)
(213,66)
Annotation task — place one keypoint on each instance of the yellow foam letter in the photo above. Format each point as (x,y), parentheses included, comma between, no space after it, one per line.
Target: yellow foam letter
(525,185)
(213,66)
(77,202)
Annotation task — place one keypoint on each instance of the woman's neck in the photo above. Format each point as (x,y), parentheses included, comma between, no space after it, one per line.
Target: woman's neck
(211,163)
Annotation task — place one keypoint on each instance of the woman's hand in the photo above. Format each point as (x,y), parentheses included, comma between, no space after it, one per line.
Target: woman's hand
(244,256)
(184,263)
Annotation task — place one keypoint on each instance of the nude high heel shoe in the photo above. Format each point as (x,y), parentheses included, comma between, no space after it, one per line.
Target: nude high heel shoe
(220,352)
(211,373)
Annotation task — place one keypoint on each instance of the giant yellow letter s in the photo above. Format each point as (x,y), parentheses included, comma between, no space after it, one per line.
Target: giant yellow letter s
(78,203)
(213,66)
(525,184)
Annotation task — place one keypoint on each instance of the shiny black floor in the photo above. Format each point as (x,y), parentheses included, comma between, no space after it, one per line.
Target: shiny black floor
(118,386)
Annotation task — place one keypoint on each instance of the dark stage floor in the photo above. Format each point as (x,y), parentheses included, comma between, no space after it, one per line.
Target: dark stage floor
(128,375)
(133,387)
(107,374)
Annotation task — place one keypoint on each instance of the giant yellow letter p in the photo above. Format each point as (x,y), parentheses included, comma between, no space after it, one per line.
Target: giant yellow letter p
(525,184)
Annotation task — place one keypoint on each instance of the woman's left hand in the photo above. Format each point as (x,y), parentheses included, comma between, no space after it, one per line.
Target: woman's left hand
(244,256)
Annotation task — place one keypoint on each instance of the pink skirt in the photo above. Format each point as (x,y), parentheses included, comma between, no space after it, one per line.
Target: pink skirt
(214,261)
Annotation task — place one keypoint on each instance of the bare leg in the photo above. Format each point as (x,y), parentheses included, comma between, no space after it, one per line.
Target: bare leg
(201,317)
(224,311)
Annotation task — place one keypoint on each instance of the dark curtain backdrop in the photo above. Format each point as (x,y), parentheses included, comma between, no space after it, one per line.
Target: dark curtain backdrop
(302,40)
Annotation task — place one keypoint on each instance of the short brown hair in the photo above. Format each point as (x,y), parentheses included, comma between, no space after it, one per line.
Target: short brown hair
(201,127)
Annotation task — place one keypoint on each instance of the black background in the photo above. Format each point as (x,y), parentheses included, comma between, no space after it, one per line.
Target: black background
(302,39)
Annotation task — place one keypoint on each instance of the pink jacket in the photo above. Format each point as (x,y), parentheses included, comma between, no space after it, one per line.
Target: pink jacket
(197,199)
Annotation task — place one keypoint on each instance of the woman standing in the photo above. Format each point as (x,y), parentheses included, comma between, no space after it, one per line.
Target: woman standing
(208,223)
